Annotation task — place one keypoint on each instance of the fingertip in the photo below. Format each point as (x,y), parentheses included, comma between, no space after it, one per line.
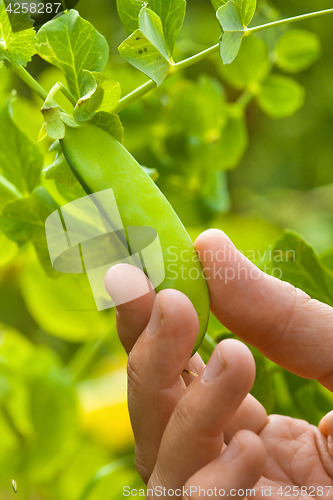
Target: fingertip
(326,424)
(236,354)
(210,239)
(179,312)
(125,283)
(252,444)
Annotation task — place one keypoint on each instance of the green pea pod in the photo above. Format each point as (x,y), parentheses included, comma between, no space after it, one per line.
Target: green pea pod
(100,162)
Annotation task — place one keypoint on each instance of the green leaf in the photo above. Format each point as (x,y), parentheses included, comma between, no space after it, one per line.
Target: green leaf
(251,65)
(151,27)
(73,45)
(100,94)
(8,250)
(218,3)
(230,45)
(128,11)
(301,267)
(141,53)
(214,192)
(8,191)
(109,122)
(230,17)
(23,220)
(20,160)
(19,47)
(248,8)
(172,15)
(297,50)
(41,405)
(64,307)
(280,96)
(60,170)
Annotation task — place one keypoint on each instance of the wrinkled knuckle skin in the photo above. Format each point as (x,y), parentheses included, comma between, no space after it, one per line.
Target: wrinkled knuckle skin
(134,373)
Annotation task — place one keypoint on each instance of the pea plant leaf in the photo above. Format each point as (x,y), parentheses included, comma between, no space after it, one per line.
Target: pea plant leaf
(172,15)
(146,48)
(280,96)
(218,3)
(297,50)
(15,47)
(73,45)
(21,161)
(110,123)
(101,94)
(23,220)
(234,16)
(128,11)
(301,267)
(60,171)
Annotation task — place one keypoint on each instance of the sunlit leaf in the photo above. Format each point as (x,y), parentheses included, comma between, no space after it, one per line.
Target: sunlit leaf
(128,11)
(280,96)
(146,48)
(100,94)
(73,45)
(172,14)
(20,160)
(297,50)
(19,47)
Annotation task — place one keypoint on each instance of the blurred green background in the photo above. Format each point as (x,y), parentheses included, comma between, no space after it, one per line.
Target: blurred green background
(227,155)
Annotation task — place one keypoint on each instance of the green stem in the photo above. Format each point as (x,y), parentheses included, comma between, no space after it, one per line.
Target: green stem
(105,471)
(9,187)
(31,82)
(282,22)
(150,85)
(197,58)
(59,87)
(244,99)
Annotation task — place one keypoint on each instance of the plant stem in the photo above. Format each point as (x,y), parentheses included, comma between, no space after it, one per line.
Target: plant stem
(31,82)
(56,88)
(148,86)
(289,20)
(197,58)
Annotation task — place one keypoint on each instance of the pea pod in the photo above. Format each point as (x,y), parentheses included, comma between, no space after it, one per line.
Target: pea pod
(100,162)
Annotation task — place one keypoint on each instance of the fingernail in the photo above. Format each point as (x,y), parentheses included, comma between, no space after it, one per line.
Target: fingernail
(330,445)
(156,319)
(232,451)
(215,366)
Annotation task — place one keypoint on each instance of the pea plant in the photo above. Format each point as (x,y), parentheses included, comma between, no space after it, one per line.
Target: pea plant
(200,124)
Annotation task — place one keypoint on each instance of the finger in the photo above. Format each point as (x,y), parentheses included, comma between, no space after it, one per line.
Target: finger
(269,314)
(193,437)
(236,470)
(154,368)
(251,415)
(132,316)
(194,367)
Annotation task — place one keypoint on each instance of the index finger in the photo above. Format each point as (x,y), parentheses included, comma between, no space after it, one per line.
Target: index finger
(283,322)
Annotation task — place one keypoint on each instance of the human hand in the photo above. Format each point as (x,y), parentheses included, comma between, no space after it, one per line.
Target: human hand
(181,422)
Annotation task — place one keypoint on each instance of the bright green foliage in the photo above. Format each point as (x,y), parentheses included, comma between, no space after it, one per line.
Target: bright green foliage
(250,67)
(172,14)
(73,45)
(146,48)
(19,47)
(280,96)
(109,122)
(100,94)
(301,267)
(220,162)
(20,160)
(297,50)
(234,17)
(128,11)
